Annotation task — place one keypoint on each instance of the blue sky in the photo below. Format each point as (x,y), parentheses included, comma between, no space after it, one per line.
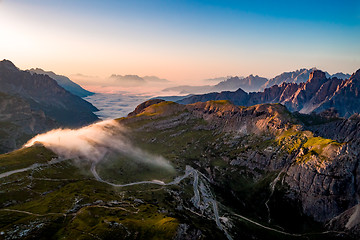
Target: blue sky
(183,41)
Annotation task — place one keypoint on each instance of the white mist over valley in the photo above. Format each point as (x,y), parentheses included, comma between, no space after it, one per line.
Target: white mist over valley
(94,143)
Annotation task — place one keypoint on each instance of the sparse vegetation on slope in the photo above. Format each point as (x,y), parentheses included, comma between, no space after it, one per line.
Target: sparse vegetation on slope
(244,158)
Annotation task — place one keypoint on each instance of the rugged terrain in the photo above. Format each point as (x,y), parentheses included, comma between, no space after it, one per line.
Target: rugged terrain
(256,172)
(317,94)
(299,76)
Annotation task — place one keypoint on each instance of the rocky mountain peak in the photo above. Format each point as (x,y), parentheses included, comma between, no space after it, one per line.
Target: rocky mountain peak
(356,75)
(317,75)
(316,79)
(8,65)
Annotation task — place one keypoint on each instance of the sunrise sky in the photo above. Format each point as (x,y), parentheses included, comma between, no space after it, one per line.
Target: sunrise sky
(183,41)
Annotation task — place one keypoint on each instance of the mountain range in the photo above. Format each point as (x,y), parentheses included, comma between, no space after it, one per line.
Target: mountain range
(32,103)
(299,76)
(252,83)
(317,94)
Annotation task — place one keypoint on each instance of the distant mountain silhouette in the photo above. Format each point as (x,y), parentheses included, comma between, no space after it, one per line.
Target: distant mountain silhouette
(250,83)
(341,75)
(64,82)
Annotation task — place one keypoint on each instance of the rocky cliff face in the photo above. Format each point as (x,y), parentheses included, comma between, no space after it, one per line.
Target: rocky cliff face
(317,94)
(346,97)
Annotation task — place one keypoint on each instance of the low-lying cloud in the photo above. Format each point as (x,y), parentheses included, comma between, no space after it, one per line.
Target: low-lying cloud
(115,105)
(94,143)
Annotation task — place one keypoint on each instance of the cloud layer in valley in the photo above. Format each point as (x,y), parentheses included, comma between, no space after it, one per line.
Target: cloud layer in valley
(94,143)
(115,105)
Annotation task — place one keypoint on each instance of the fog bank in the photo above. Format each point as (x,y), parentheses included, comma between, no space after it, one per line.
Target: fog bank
(94,142)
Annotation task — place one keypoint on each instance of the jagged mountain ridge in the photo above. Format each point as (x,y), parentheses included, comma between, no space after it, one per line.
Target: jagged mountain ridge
(317,94)
(299,76)
(64,82)
(250,83)
(253,83)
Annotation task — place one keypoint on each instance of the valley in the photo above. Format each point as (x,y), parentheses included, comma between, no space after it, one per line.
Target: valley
(255,159)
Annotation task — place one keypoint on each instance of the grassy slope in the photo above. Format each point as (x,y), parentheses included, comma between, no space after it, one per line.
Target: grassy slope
(63,200)
(24,158)
(190,143)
